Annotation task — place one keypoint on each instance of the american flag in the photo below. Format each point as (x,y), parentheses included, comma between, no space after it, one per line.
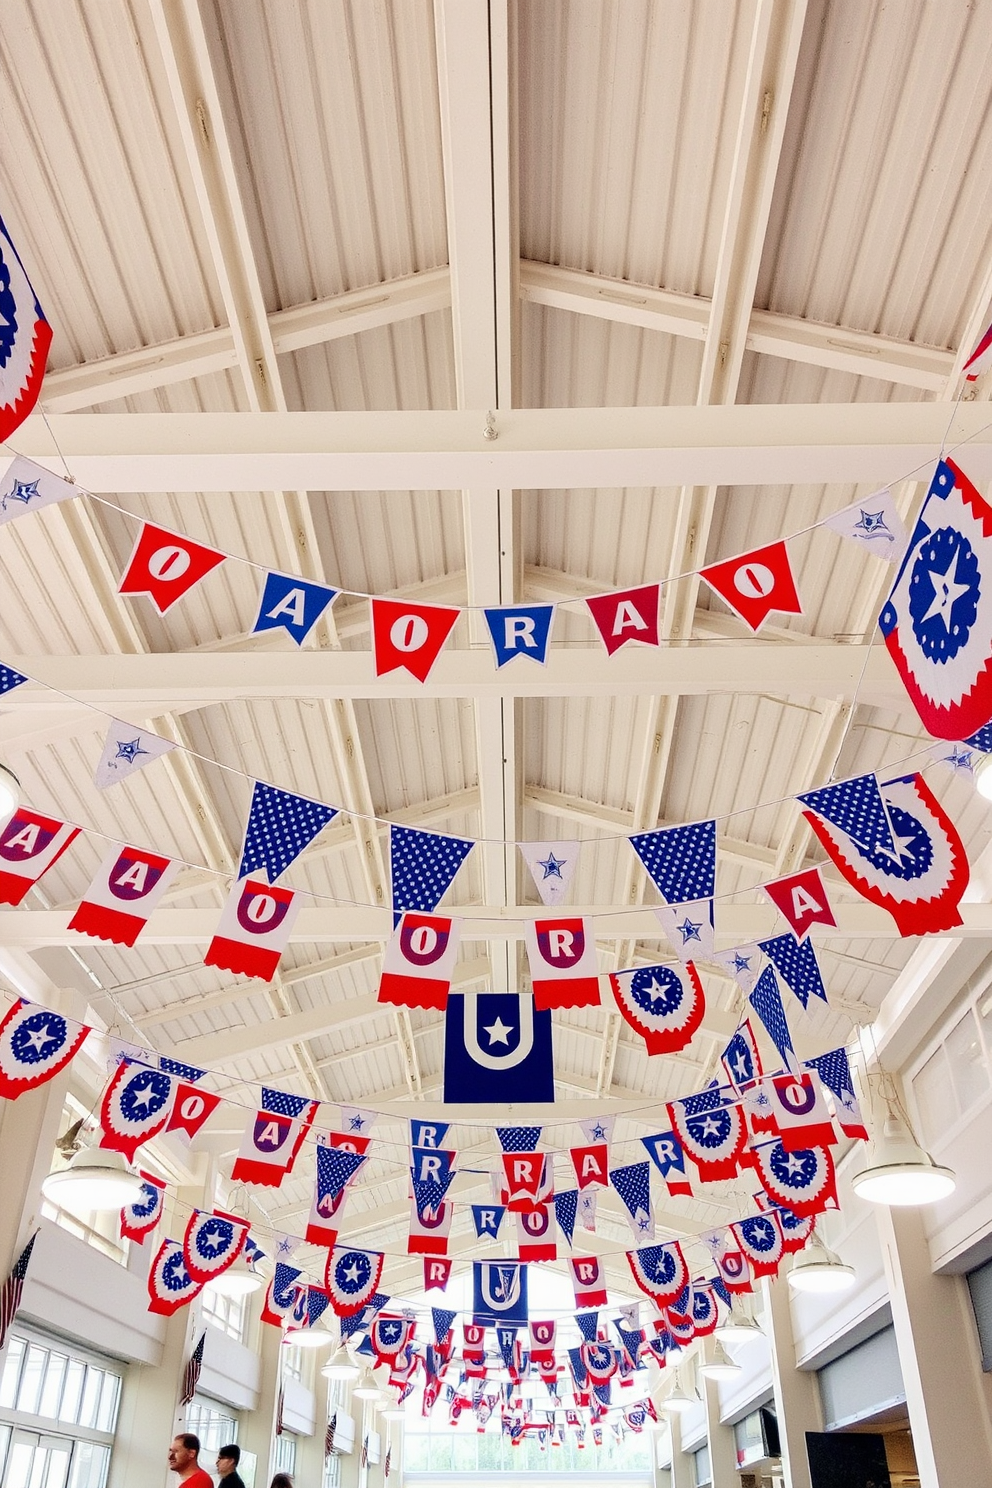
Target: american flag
(386,1464)
(332,1427)
(191,1373)
(10,1294)
(279,1413)
(365,1451)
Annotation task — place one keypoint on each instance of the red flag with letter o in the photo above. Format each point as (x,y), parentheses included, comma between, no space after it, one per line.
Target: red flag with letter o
(166,565)
(756,583)
(409,635)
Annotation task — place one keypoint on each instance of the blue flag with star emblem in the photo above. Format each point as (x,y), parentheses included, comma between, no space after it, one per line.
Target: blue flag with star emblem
(499,1293)
(280,826)
(857,808)
(497,1049)
(291,604)
(422,866)
(795,961)
(681,861)
(767,1003)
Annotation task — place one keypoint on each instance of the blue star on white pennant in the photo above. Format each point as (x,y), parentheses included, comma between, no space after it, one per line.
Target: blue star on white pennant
(27,487)
(874,524)
(127,750)
(280,826)
(552,867)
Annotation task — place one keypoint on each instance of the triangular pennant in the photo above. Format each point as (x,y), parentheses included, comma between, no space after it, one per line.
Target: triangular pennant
(834,1070)
(520,630)
(422,866)
(795,961)
(802,899)
(633,1184)
(741,1059)
(166,565)
(127,750)
(291,604)
(874,524)
(857,808)
(552,866)
(626,615)
(27,487)
(280,826)
(25,337)
(409,635)
(980,359)
(566,1207)
(681,861)
(689,928)
(743,963)
(9,679)
(597,1128)
(754,584)
(767,1003)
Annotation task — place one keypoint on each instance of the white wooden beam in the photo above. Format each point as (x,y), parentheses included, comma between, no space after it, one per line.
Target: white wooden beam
(536,448)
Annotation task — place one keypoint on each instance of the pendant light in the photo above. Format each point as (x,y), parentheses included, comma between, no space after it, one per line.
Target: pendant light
(313,1337)
(340,1366)
(899,1172)
(717,1364)
(96,1178)
(239,1280)
(737,1327)
(366,1388)
(679,1398)
(10,792)
(817,1269)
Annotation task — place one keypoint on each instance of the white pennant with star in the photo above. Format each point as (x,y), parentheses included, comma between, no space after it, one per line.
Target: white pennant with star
(552,865)
(127,750)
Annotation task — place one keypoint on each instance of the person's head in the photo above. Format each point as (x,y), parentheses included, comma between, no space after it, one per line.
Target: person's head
(184,1452)
(228,1459)
(282,1480)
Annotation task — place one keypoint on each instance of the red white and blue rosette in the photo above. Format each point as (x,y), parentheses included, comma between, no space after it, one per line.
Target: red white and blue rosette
(351,1278)
(170,1285)
(711,1133)
(681,1328)
(659,1270)
(136,1105)
(796,1229)
(664,1004)
(704,1313)
(25,337)
(389,1335)
(600,1360)
(921,883)
(141,1217)
(211,1244)
(760,1238)
(34,1045)
(801,1181)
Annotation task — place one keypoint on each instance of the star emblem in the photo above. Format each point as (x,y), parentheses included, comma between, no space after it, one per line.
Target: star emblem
(946,592)
(689,930)
(23,491)
(873,524)
(37,1038)
(792,1165)
(356,1123)
(960,759)
(709,1127)
(351,1273)
(552,866)
(741,963)
(498,1032)
(902,851)
(741,1068)
(598,1132)
(128,750)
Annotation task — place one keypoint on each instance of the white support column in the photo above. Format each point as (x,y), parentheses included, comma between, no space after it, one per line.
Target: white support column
(797,1399)
(720,1439)
(258,1426)
(682,1474)
(939,1357)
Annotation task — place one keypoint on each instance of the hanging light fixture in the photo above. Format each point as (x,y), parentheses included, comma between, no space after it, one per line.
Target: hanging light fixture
(95,1178)
(737,1327)
(340,1366)
(679,1398)
(239,1280)
(817,1269)
(366,1388)
(717,1364)
(899,1172)
(982,771)
(313,1337)
(10,792)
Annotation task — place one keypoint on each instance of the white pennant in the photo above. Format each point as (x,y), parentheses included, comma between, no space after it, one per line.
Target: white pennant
(357,1122)
(874,524)
(689,927)
(597,1129)
(26,487)
(743,963)
(127,750)
(552,865)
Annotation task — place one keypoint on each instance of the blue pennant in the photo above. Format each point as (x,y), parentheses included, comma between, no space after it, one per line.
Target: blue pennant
(280,826)
(767,1003)
(518,1138)
(588,1325)
(9,679)
(422,865)
(281,1103)
(291,604)
(795,961)
(856,807)
(442,1320)
(187,1072)
(680,860)
(520,630)
(633,1184)
(488,1218)
(566,1208)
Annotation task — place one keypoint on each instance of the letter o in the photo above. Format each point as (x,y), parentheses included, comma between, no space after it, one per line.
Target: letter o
(409,632)
(169,563)
(754,580)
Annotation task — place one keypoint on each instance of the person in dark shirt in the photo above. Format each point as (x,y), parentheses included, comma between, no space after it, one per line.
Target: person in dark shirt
(227,1467)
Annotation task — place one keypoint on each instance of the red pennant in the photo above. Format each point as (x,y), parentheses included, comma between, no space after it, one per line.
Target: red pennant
(166,565)
(409,635)
(802,899)
(524,1172)
(437,1273)
(756,583)
(626,615)
(191,1109)
(590,1164)
(349,1142)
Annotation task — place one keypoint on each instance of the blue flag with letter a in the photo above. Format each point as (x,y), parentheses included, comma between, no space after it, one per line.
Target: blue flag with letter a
(292,604)
(497,1049)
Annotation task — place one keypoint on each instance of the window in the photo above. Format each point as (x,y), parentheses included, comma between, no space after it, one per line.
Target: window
(702,1475)
(483,1457)
(225,1313)
(332,1472)
(293,1364)
(957,1075)
(58,1411)
(214,1425)
(284,1456)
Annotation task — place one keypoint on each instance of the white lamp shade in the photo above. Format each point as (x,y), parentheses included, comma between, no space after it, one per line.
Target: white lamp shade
(737,1327)
(899,1172)
(340,1365)
(238,1280)
(366,1389)
(678,1397)
(308,1338)
(95,1178)
(817,1269)
(10,792)
(717,1364)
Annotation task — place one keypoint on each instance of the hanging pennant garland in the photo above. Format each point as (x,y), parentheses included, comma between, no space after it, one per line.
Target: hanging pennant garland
(34,1045)
(212,1243)
(141,1217)
(351,1278)
(704,1310)
(711,1133)
(659,1270)
(801,1181)
(136,1105)
(664,1004)
(922,880)
(760,1239)
(170,1285)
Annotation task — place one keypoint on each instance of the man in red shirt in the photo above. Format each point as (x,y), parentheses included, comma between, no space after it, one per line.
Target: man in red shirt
(184,1459)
